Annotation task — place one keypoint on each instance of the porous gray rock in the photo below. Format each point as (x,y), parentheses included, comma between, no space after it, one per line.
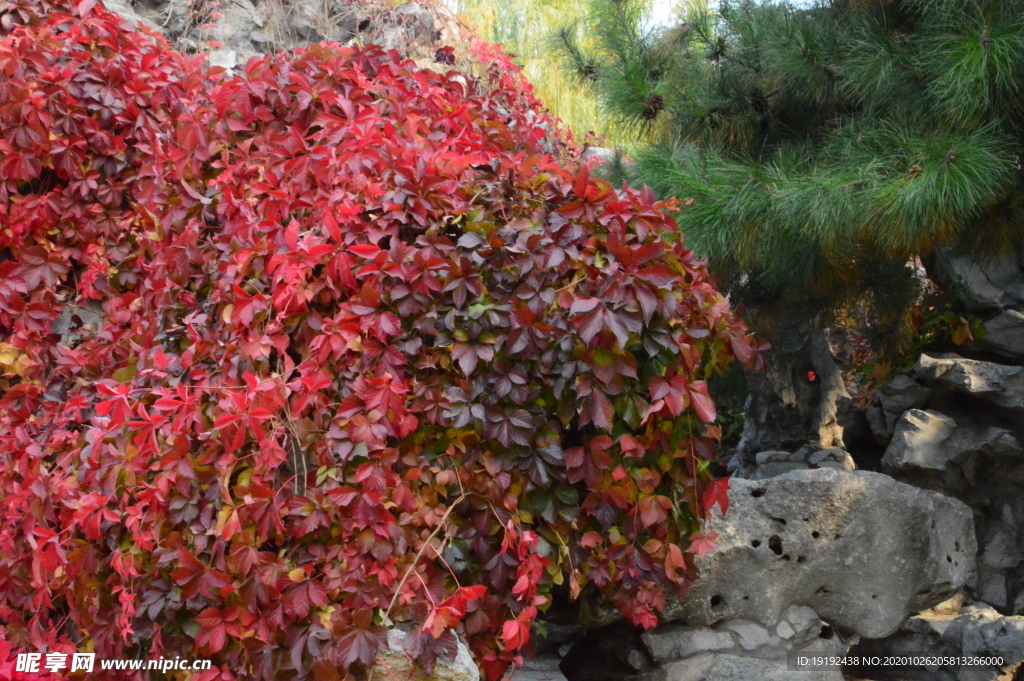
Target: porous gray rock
(953,629)
(919,441)
(861,549)
(394,662)
(997,384)
(676,642)
(799,630)
(247,28)
(985,283)
(600,155)
(1004,335)
(891,401)
(772,463)
(542,668)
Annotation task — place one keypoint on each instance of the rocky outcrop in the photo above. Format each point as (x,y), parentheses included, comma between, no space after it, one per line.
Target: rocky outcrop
(818,538)
(997,385)
(919,442)
(891,401)
(1004,335)
(395,663)
(728,651)
(776,462)
(927,441)
(799,629)
(995,283)
(234,31)
(800,399)
(953,630)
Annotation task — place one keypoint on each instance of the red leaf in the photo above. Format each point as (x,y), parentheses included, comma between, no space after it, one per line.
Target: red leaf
(357,645)
(717,492)
(702,402)
(702,544)
(364,250)
(598,410)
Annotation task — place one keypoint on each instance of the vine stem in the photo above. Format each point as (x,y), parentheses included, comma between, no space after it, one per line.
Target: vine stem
(415,561)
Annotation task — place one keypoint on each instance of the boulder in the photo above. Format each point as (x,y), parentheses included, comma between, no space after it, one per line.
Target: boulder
(985,283)
(809,457)
(542,668)
(954,630)
(599,155)
(1004,335)
(861,549)
(997,384)
(396,663)
(676,642)
(891,401)
(918,441)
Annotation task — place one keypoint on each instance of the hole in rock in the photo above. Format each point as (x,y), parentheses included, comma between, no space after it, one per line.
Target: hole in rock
(801,559)
(815,534)
(822,590)
(874,596)
(746,598)
(949,559)
(758,493)
(775,544)
(780,521)
(363,25)
(755,543)
(838,536)
(716,601)
(785,557)
(826,632)
(956,545)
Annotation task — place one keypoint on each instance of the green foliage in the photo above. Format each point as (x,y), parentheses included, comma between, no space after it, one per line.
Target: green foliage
(823,145)
(529,30)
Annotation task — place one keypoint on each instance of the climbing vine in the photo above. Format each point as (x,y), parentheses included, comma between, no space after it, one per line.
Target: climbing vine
(330,346)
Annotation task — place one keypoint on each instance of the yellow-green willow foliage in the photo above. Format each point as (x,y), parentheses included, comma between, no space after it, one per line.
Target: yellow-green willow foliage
(529,29)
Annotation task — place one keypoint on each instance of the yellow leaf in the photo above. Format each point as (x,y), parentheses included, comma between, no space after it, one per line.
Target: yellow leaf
(125,374)
(574,586)
(297,575)
(8,354)
(225,314)
(963,332)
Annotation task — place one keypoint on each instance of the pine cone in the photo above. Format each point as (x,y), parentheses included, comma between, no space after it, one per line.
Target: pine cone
(653,106)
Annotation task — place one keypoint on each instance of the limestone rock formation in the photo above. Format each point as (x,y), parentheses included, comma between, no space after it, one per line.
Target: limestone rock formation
(953,630)
(1004,335)
(993,284)
(891,401)
(998,385)
(930,441)
(861,549)
(233,31)
(396,664)
(809,457)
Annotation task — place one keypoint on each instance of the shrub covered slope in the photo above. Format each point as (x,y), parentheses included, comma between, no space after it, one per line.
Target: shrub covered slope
(326,347)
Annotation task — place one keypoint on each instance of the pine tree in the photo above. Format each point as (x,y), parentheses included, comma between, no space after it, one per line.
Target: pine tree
(825,145)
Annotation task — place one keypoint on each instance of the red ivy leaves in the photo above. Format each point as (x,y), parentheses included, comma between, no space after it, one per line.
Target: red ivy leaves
(717,492)
(272,346)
